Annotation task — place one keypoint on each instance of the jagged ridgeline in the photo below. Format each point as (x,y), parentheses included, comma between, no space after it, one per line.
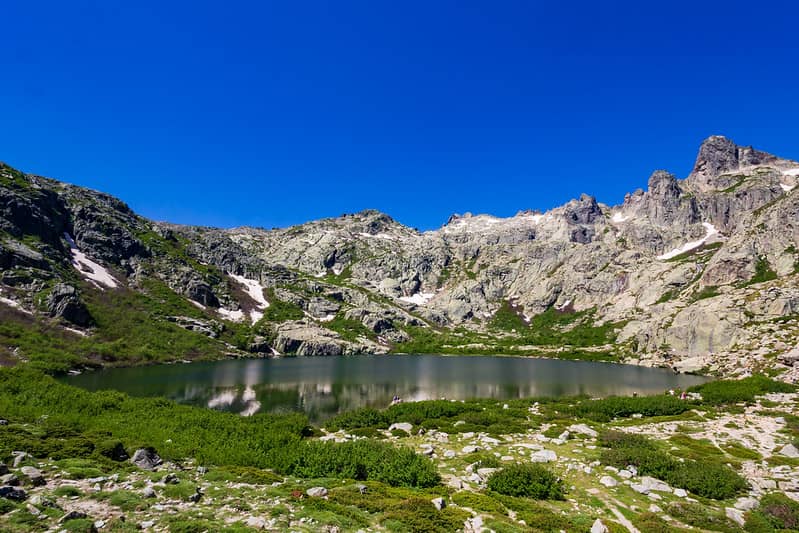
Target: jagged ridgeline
(698,272)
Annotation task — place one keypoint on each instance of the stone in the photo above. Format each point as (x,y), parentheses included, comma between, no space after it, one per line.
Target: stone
(19,458)
(608,481)
(147,524)
(736,515)
(438,503)
(655,508)
(599,527)
(746,503)
(34,475)
(564,436)
(64,302)
(625,474)
(9,479)
(12,493)
(544,456)
(789,450)
(72,515)
(583,429)
(403,426)
(316,492)
(146,459)
(471,449)
(255,522)
(148,492)
(680,493)
(170,479)
(449,454)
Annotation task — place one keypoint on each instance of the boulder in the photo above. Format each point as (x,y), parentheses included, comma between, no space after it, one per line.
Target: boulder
(599,527)
(12,493)
(438,503)
(64,302)
(34,475)
(316,492)
(403,426)
(544,456)
(146,459)
(789,450)
(608,481)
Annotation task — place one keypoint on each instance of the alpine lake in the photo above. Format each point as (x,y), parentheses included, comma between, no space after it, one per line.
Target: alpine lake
(325,386)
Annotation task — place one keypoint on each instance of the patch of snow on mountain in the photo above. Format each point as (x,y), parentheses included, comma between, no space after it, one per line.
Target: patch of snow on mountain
(711,231)
(787,188)
(235,316)
(618,218)
(222,399)
(90,270)
(385,236)
(256,292)
(420,298)
(791,172)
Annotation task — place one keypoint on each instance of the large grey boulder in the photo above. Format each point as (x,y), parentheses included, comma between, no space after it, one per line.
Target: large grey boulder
(146,459)
(64,302)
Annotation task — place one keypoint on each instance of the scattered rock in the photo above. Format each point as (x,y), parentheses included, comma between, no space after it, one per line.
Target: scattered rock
(471,449)
(746,503)
(146,459)
(680,493)
(34,475)
(544,456)
(170,479)
(438,503)
(625,474)
(789,450)
(148,492)
(72,515)
(583,429)
(736,515)
(10,480)
(608,481)
(255,522)
(316,492)
(404,426)
(13,493)
(599,527)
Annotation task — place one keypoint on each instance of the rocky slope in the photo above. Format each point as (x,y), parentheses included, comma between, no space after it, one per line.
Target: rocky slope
(698,273)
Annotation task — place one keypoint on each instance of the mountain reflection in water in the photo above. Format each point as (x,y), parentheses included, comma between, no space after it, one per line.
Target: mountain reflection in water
(324,386)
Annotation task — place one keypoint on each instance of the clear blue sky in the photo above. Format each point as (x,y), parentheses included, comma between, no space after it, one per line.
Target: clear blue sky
(274,113)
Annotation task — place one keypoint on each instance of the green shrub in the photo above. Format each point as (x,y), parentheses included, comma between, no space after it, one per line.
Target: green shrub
(607,409)
(479,502)
(419,515)
(6,506)
(532,480)
(702,517)
(741,390)
(67,491)
(776,510)
(365,417)
(707,478)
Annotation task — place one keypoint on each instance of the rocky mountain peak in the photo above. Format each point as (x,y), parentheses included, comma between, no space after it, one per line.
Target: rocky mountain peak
(719,155)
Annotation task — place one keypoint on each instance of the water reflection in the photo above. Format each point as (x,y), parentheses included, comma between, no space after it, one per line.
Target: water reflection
(324,386)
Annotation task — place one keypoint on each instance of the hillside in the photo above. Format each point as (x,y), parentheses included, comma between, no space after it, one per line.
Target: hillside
(698,273)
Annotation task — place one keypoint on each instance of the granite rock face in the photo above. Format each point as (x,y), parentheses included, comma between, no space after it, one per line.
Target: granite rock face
(682,270)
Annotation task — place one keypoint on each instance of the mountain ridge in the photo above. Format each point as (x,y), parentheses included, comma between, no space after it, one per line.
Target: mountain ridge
(683,273)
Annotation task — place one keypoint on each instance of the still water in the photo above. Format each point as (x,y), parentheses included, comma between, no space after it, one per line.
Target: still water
(324,386)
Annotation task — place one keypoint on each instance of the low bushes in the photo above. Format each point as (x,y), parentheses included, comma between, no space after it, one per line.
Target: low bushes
(776,512)
(741,390)
(81,426)
(607,409)
(532,481)
(707,478)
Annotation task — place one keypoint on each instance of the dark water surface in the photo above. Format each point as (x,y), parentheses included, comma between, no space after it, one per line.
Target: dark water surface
(324,386)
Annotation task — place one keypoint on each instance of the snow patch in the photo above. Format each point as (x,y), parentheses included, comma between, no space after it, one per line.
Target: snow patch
(256,291)
(90,270)
(710,232)
(235,316)
(385,236)
(252,408)
(618,218)
(791,172)
(77,332)
(566,304)
(787,188)
(420,298)
(326,318)
(248,395)
(198,305)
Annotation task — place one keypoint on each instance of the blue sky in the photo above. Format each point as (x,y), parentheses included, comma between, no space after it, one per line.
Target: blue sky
(274,113)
